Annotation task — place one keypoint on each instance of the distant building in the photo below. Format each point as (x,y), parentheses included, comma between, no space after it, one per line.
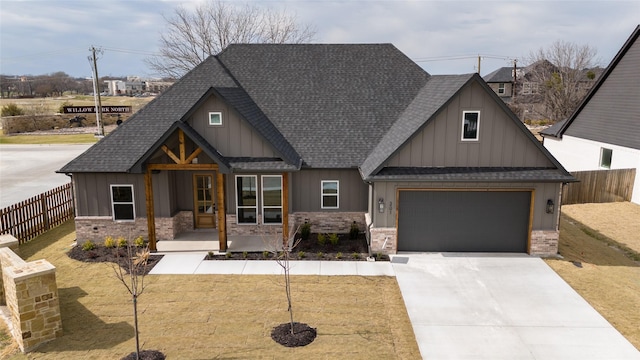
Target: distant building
(136,86)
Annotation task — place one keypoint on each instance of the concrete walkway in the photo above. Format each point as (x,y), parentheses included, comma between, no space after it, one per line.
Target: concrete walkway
(465,306)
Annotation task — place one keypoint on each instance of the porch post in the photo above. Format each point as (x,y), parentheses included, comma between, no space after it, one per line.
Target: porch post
(285,208)
(151,225)
(222,214)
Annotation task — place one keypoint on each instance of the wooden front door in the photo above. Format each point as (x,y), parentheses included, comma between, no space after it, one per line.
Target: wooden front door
(204,205)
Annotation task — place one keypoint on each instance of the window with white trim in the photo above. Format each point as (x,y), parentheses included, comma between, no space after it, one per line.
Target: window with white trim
(215,118)
(501,88)
(470,125)
(272,199)
(605,158)
(122,203)
(246,199)
(330,194)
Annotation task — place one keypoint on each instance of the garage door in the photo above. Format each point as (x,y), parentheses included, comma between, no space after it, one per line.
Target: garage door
(475,221)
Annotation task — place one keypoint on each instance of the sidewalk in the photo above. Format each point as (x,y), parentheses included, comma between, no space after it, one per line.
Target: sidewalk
(194,263)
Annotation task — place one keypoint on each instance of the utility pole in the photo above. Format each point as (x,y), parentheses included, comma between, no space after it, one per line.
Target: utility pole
(96,92)
(515,79)
(479,58)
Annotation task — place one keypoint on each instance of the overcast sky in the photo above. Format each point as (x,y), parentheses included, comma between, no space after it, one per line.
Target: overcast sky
(444,37)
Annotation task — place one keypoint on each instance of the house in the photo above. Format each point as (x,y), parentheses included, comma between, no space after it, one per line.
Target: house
(268,136)
(501,81)
(604,131)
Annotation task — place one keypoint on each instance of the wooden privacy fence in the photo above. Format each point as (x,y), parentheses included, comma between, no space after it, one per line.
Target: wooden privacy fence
(32,217)
(600,186)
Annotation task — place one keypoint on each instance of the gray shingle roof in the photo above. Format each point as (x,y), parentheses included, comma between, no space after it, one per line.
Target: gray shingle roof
(466,174)
(610,112)
(326,105)
(332,102)
(501,75)
(123,148)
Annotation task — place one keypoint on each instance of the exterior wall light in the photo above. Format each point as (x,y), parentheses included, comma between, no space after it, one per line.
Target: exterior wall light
(549,208)
(381,205)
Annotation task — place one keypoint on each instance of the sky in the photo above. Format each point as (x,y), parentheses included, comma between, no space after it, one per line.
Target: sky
(444,37)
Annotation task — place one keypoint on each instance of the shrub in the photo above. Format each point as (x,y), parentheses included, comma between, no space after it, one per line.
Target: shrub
(354,231)
(322,239)
(301,255)
(320,255)
(210,254)
(61,108)
(305,231)
(88,245)
(355,255)
(379,256)
(265,254)
(138,242)
(228,255)
(339,255)
(12,109)
(245,254)
(109,242)
(334,239)
(122,242)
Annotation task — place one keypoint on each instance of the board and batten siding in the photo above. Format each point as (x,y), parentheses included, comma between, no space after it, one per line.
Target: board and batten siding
(235,137)
(93,192)
(543,191)
(306,190)
(501,142)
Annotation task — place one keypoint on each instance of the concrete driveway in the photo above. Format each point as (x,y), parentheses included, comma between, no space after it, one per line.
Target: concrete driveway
(493,306)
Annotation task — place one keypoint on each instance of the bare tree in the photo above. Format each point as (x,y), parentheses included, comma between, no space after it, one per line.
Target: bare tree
(192,36)
(562,77)
(131,270)
(292,334)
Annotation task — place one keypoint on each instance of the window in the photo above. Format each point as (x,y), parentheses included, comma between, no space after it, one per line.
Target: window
(470,125)
(122,204)
(215,118)
(605,158)
(501,88)
(330,194)
(272,199)
(246,200)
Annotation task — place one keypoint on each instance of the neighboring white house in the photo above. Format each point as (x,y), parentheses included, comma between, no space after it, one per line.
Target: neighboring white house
(604,131)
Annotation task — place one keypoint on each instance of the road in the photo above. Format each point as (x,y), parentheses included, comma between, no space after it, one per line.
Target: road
(29,170)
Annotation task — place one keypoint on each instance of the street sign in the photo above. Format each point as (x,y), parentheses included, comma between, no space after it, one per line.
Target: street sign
(106,109)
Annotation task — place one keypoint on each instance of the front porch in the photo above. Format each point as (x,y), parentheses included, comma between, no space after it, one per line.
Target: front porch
(208,240)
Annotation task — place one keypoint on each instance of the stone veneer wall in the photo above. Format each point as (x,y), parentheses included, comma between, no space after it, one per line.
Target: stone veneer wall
(331,222)
(543,242)
(31,295)
(7,241)
(97,228)
(321,222)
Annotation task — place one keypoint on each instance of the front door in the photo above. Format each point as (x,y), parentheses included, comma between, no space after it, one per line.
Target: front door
(204,206)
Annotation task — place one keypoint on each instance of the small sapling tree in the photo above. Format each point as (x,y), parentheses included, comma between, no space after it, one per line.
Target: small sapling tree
(290,334)
(131,269)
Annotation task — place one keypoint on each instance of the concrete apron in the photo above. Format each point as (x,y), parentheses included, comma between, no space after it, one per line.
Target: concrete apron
(494,306)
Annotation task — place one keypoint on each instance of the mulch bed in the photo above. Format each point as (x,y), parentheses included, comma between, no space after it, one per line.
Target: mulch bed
(114,255)
(146,355)
(303,334)
(346,249)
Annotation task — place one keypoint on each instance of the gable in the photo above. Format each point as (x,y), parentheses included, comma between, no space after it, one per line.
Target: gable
(235,137)
(611,114)
(501,141)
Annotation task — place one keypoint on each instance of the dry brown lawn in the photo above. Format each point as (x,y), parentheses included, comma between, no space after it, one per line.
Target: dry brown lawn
(619,221)
(605,276)
(220,316)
